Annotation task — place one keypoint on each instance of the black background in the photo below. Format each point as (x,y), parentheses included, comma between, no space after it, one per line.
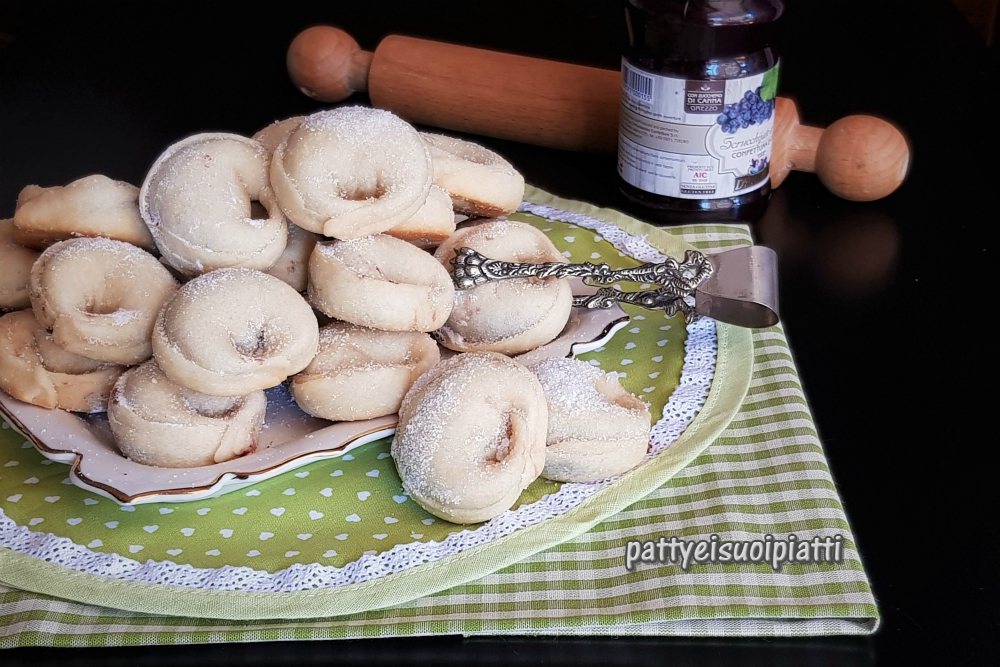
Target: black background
(887,305)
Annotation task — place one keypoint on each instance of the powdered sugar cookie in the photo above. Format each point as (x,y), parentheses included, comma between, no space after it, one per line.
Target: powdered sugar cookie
(596,428)
(471,436)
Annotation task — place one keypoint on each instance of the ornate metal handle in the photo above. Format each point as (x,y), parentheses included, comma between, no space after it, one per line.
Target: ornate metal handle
(472,268)
(676,280)
(658,299)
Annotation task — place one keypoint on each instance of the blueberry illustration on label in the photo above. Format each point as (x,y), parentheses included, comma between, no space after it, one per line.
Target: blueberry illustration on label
(749,110)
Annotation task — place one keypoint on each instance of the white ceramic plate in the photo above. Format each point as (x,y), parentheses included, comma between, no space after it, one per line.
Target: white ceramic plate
(290,438)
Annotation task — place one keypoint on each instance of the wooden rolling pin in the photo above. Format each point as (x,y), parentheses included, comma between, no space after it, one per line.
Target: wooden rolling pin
(565,106)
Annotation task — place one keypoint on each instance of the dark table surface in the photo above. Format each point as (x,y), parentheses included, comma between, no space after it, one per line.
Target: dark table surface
(885,303)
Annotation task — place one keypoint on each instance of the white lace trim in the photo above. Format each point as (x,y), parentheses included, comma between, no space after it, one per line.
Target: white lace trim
(683,405)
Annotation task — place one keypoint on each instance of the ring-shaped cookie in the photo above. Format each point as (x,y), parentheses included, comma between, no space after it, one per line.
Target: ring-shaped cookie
(100,297)
(506,316)
(157,422)
(431,224)
(596,428)
(350,172)
(90,206)
(471,436)
(16,261)
(271,136)
(209,204)
(233,331)
(480,182)
(35,370)
(292,266)
(361,373)
(380,282)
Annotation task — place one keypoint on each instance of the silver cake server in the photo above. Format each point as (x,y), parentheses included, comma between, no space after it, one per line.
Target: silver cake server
(738,286)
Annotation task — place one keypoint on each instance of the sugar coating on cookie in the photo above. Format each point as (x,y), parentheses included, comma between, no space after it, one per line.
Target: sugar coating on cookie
(479,180)
(471,436)
(350,172)
(35,370)
(361,373)
(431,224)
(157,422)
(90,206)
(380,282)
(596,428)
(208,202)
(233,331)
(100,297)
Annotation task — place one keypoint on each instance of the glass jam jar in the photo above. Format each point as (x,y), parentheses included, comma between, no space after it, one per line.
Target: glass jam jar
(699,78)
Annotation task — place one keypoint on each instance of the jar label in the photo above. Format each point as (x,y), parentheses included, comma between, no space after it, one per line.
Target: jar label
(695,139)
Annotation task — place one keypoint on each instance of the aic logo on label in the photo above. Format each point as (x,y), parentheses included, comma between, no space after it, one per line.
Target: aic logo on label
(698,177)
(704,96)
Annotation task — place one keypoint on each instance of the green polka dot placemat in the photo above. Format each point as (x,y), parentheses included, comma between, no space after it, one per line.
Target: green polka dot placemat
(766,473)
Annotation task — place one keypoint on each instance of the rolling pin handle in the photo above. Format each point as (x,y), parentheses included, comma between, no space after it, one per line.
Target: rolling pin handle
(862,158)
(327,64)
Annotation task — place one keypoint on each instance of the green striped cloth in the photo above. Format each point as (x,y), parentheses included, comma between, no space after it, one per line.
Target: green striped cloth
(765,475)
